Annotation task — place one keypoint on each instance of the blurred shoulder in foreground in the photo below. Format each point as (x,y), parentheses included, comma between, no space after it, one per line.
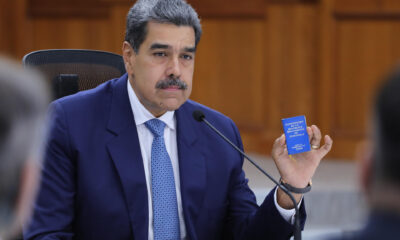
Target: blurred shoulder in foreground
(24,98)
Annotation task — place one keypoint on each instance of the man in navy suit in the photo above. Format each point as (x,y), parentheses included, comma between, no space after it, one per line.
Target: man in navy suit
(99,178)
(380,165)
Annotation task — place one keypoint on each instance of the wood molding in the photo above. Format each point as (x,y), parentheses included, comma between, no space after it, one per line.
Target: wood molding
(291,1)
(216,8)
(235,8)
(366,9)
(68,8)
(370,15)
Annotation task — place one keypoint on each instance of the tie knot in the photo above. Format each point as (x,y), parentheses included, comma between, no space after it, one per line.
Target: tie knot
(156,127)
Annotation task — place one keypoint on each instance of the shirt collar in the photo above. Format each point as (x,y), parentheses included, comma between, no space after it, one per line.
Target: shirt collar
(142,115)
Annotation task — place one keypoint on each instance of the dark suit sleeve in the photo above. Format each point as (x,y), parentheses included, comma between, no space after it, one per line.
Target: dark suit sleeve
(54,207)
(246,220)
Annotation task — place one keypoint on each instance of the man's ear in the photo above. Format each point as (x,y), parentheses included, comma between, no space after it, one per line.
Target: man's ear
(129,57)
(364,155)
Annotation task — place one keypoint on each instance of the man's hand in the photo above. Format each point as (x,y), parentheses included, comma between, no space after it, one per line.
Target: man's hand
(297,170)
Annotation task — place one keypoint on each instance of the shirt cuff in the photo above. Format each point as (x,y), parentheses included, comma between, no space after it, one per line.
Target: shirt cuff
(287,214)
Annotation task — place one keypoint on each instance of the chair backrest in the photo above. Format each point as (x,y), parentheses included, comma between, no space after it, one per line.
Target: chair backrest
(72,70)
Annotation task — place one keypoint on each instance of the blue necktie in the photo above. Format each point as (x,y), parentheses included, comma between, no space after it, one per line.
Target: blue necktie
(165,208)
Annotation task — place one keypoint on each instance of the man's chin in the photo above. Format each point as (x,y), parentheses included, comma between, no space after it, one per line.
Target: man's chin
(173,108)
(172,105)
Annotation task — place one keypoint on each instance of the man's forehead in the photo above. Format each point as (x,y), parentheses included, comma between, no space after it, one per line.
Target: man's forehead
(168,33)
(167,25)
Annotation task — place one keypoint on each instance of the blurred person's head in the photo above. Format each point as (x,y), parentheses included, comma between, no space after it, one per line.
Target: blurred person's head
(380,169)
(159,52)
(23,103)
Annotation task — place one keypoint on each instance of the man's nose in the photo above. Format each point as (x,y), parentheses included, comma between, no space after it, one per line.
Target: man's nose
(174,68)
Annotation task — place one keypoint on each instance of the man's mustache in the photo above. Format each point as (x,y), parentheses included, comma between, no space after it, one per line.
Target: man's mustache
(171,81)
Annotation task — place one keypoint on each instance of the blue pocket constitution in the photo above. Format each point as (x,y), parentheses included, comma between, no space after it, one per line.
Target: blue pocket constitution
(296,134)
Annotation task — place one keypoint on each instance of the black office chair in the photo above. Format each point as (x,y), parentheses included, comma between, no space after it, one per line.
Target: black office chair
(73,70)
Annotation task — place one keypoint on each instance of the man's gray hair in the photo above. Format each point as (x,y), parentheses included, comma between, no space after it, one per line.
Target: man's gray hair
(177,12)
(24,98)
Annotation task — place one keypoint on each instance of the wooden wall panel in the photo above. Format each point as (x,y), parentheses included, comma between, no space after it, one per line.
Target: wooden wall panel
(231,8)
(258,61)
(4,13)
(289,82)
(70,8)
(366,50)
(357,40)
(117,23)
(291,63)
(72,33)
(229,70)
(13,28)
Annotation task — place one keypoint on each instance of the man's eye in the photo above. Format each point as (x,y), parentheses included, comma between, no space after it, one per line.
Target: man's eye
(159,54)
(187,57)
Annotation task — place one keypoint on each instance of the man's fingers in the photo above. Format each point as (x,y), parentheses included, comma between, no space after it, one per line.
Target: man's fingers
(316,136)
(279,145)
(327,146)
(310,133)
(280,140)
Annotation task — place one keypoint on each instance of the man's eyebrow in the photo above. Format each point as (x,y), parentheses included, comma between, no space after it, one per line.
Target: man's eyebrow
(165,46)
(158,46)
(190,49)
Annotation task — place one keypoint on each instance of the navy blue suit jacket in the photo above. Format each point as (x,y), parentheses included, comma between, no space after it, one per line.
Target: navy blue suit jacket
(93,184)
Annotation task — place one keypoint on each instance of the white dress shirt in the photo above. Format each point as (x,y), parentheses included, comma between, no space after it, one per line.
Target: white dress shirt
(142,115)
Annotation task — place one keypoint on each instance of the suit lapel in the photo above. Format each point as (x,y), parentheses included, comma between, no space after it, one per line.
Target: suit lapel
(192,167)
(125,152)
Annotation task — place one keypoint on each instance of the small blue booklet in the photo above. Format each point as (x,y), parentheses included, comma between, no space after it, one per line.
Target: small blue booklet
(296,134)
